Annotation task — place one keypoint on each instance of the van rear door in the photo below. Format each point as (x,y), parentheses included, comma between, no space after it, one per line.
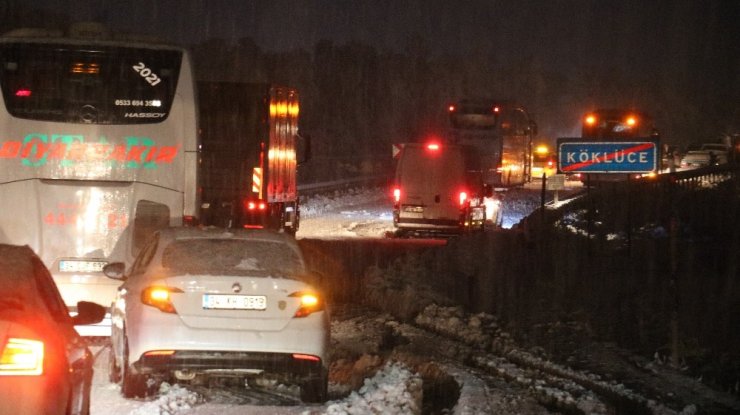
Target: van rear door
(431,180)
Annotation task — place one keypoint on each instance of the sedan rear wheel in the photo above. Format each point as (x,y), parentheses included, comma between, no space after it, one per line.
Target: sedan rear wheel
(132,385)
(315,390)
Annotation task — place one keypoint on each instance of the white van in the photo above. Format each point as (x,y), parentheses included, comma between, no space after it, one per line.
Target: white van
(438,189)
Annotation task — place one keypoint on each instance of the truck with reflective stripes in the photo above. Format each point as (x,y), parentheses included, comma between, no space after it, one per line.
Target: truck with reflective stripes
(249,155)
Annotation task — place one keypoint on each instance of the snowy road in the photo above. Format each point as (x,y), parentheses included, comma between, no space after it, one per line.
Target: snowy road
(445,360)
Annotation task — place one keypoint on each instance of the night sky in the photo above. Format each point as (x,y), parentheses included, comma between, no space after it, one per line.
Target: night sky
(685,47)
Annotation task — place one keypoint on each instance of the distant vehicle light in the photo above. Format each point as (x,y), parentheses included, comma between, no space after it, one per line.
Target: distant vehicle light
(590,119)
(256,205)
(451,108)
(433,146)
(22,357)
(496,109)
(631,121)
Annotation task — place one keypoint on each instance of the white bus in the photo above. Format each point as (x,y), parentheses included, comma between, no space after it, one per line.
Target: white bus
(98,148)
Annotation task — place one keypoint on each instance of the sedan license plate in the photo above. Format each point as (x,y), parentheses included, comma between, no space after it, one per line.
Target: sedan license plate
(234,302)
(71,265)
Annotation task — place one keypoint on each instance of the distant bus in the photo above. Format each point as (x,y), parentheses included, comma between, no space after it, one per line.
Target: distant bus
(502,132)
(98,148)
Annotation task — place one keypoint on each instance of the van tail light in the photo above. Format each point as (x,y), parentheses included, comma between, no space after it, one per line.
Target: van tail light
(160,297)
(310,303)
(189,221)
(463,198)
(22,357)
(397,194)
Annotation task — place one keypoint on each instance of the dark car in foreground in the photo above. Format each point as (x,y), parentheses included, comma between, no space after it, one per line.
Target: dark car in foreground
(45,366)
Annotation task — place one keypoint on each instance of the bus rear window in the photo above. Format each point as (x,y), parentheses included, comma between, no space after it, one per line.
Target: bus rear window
(93,85)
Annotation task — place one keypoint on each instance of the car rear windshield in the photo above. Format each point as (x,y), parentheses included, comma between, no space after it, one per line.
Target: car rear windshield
(232,257)
(96,85)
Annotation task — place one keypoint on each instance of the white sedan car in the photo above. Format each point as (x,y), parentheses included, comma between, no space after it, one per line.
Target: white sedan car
(205,303)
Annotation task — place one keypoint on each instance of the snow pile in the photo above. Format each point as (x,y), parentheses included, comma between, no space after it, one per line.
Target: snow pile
(317,205)
(393,390)
(172,400)
(480,330)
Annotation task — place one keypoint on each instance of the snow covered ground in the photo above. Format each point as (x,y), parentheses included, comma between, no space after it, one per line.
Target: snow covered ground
(491,372)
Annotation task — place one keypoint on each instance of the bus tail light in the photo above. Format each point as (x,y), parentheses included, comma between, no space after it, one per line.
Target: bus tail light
(160,297)
(23,93)
(22,357)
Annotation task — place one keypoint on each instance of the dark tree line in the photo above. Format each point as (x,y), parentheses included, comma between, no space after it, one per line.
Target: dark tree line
(675,59)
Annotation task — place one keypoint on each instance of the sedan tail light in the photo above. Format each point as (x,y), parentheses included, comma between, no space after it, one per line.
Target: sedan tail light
(310,303)
(160,297)
(22,357)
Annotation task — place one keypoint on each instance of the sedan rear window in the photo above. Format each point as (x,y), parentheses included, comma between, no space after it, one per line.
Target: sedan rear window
(231,257)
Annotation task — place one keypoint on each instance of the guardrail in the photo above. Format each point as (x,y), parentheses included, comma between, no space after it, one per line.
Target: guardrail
(322,187)
(702,177)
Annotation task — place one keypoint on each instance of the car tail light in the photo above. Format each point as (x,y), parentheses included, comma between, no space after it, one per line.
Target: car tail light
(22,357)
(160,297)
(312,358)
(310,303)
(397,194)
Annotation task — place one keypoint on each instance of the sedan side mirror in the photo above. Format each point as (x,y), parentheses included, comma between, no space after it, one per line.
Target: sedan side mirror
(88,313)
